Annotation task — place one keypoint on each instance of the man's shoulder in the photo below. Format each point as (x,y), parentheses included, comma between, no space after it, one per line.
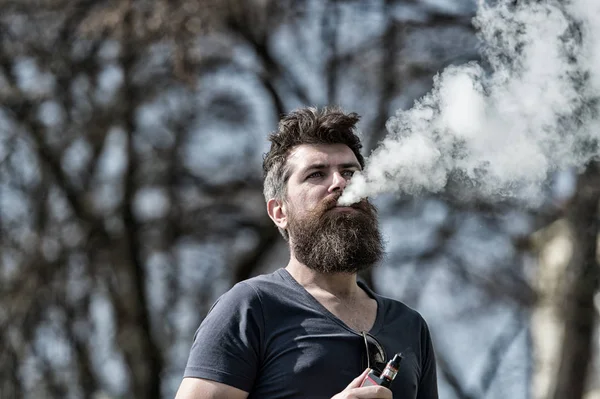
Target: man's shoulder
(271,293)
(392,306)
(398,310)
(262,285)
(266,281)
(252,293)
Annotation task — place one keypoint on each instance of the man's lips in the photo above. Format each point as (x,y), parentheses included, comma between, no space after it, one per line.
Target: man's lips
(345,208)
(332,204)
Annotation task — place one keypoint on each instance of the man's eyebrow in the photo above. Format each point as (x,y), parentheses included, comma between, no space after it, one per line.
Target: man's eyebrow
(318,166)
(349,165)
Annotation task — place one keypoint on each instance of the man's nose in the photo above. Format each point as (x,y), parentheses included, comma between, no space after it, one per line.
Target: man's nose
(338,182)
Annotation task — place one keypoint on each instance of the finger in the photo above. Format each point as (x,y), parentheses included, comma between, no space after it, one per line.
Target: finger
(358,380)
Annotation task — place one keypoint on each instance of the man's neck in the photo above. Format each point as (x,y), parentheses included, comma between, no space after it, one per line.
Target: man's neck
(341,285)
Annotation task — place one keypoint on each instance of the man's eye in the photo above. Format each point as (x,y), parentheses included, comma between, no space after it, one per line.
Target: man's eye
(348,173)
(314,174)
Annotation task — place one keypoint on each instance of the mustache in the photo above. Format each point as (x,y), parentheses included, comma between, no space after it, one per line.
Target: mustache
(363,205)
(330,202)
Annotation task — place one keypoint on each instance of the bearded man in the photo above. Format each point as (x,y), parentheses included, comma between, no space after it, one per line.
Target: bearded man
(312,329)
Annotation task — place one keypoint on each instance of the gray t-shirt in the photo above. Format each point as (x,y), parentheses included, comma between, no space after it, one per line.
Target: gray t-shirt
(268,336)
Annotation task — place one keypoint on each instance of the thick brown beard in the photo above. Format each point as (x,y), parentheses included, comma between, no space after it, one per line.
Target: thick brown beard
(337,242)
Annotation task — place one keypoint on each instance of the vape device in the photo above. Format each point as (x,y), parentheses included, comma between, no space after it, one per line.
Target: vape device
(387,375)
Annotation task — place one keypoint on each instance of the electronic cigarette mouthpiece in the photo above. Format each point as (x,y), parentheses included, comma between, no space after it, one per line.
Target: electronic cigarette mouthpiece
(387,375)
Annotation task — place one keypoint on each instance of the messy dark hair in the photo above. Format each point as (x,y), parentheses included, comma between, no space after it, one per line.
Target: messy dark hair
(308,125)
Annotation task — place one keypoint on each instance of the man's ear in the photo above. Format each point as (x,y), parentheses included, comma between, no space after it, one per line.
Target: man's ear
(277,213)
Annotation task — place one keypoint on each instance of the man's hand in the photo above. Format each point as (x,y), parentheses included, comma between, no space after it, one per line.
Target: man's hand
(355,391)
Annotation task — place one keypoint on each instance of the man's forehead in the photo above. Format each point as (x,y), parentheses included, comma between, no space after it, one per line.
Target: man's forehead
(306,154)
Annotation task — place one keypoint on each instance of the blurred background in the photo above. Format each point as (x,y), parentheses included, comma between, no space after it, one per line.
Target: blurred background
(131,140)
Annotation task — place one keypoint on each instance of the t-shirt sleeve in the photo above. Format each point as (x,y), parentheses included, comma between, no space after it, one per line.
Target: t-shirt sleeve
(227,345)
(428,387)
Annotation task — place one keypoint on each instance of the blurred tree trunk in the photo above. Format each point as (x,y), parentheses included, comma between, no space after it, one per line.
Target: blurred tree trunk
(330,35)
(389,84)
(142,354)
(581,283)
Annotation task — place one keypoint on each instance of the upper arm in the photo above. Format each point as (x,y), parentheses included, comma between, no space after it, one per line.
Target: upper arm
(198,388)
(227,345)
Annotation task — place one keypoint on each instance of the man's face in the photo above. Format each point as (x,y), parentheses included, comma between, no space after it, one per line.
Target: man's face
(326,237)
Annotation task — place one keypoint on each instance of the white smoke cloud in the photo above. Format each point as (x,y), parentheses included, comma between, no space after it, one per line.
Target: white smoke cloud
(503,128)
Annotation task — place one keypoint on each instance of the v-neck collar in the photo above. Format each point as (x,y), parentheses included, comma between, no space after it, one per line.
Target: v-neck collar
(314,302)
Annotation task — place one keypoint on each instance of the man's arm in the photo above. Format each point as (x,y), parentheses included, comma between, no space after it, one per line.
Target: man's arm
(198,388)
(225,354)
